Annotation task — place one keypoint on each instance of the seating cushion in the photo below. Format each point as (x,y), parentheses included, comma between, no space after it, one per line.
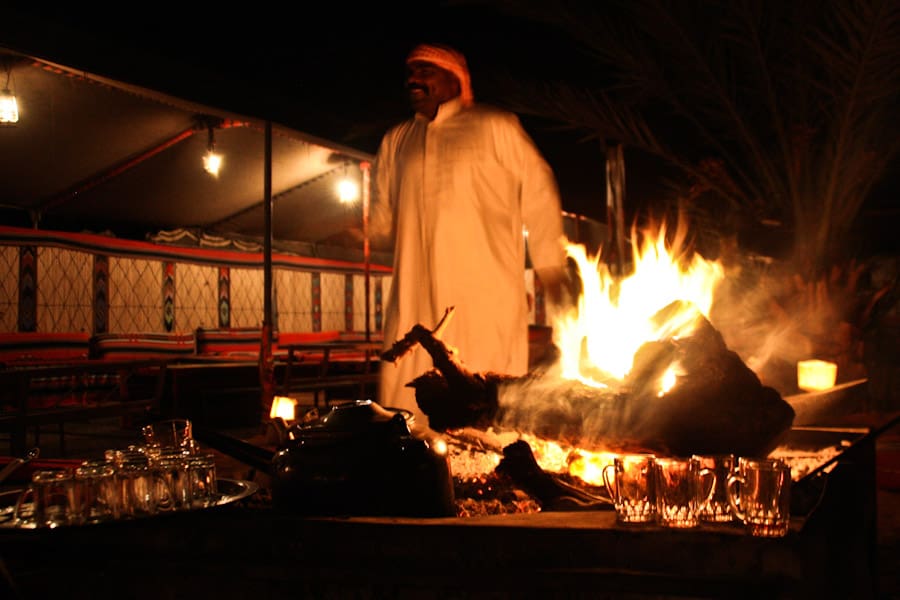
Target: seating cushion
(238,343)
(143,345)
(33,347)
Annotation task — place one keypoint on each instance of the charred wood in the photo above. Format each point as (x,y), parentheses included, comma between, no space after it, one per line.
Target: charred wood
(518,463)
(717,404)
(420,335)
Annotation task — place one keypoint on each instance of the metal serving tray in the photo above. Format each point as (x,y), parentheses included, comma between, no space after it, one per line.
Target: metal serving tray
(230,491)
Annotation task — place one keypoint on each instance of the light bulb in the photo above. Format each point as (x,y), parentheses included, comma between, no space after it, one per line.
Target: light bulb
(348,191)
(9,108)
(212,162)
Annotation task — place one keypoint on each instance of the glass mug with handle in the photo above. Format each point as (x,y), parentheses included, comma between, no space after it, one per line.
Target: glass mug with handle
(631,485)
(759,492)
(683,487)
(54,503)
(717,509)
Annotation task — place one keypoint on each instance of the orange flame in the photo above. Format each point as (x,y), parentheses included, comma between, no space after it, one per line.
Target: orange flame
(614,316)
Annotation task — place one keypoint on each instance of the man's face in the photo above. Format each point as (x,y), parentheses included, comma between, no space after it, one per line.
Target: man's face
(428,86)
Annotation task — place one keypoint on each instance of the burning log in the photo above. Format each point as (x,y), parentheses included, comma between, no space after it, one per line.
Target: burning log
(520,466)
(456,397)
(420,335)
(717,404)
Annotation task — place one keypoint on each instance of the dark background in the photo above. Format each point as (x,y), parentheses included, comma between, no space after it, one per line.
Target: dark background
(336,71)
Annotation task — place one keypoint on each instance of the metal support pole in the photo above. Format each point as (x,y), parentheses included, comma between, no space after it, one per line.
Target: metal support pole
(365,167)
(615,202)
(266,362)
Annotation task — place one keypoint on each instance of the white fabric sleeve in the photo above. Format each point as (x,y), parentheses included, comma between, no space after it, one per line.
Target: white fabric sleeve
(539,198)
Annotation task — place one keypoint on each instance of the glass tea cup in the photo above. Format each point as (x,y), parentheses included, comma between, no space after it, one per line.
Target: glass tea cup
(683,486)
(759,492)
(53,500)
(97,494)
(202,480)
(717,509)
(136,483)
(171,481)
(630,483)
(171,435)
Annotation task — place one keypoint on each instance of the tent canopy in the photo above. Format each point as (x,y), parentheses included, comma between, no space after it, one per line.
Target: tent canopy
(92,153)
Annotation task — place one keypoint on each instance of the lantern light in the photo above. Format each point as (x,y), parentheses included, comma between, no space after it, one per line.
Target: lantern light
(283,407)
(816,375)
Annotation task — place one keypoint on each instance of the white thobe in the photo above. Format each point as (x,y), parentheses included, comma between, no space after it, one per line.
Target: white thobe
(456,194)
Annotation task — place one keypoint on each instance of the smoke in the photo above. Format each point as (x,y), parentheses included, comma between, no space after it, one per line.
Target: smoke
(614,418)
(773,317)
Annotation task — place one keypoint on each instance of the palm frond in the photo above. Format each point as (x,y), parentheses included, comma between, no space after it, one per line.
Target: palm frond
(795,102)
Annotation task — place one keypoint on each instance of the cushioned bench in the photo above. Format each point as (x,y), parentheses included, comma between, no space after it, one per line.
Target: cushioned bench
(235,343)
(142,345)
(26,347)
(34,396)
(216,368)
(311,346)
(244,343)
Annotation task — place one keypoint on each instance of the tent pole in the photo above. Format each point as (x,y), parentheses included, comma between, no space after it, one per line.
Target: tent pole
(615,202)
(365,166)
(266,362)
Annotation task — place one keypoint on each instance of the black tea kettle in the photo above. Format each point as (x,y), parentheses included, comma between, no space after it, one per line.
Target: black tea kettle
(361,459)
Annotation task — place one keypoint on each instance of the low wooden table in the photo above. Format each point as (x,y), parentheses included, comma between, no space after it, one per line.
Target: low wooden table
(323,379)
(246,550)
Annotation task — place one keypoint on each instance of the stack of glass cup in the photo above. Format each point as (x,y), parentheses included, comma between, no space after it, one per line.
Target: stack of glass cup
(167,473)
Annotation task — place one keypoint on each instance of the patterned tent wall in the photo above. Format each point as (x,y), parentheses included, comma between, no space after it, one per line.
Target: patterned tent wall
(55,282)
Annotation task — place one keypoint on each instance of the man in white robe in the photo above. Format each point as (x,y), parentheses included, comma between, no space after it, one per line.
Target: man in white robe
(455,188)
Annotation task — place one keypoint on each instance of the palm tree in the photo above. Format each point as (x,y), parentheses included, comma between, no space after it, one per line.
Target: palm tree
(770,111)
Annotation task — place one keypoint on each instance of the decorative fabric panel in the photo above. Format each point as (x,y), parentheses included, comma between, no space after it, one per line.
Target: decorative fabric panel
(101,293)
(224,297)
(28,276)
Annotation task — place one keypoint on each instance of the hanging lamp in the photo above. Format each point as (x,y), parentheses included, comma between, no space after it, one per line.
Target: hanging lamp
(9,106)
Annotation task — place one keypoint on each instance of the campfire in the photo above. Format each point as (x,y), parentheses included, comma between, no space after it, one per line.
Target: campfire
(639,367)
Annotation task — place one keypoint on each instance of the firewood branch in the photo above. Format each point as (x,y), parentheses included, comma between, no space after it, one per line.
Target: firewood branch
(418,335)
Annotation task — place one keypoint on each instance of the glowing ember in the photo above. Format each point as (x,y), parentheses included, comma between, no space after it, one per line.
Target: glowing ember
(614,315)
(588,466)
(472,465)
(554,458)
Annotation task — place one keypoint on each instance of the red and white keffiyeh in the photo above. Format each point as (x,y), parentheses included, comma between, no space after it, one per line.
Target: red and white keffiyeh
(449,59)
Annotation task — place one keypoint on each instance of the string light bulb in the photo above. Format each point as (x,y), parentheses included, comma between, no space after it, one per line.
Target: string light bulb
(212,160)
(347,188)
(9,106)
